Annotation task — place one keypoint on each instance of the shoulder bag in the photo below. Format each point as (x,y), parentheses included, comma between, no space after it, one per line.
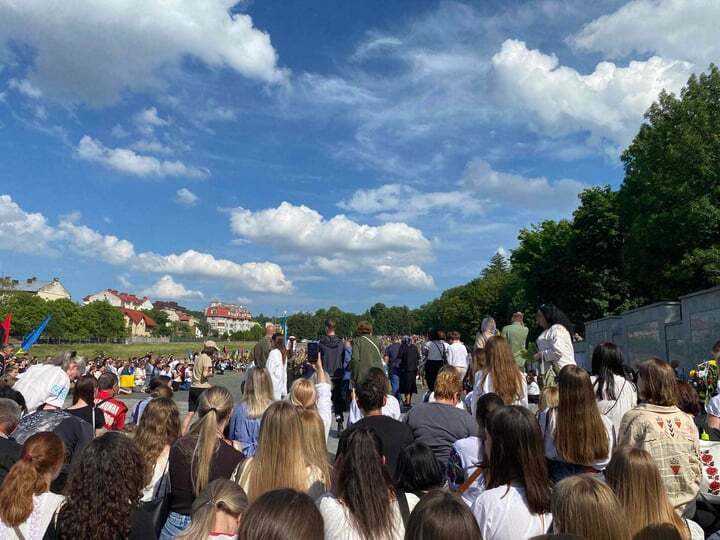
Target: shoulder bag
(158,507)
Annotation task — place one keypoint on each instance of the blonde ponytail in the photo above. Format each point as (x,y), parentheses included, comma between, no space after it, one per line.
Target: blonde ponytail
(214,408)
(220,494)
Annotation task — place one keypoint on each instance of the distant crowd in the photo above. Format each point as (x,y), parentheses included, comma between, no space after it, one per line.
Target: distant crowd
(434,441)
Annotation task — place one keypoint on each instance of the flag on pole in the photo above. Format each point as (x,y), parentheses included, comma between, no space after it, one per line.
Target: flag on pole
(33,336)
(5,326)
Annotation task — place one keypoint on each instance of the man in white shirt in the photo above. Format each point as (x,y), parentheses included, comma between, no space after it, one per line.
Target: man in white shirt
(50,382)
(457,355)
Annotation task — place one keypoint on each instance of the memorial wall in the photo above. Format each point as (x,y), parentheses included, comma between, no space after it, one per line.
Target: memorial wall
(684,331)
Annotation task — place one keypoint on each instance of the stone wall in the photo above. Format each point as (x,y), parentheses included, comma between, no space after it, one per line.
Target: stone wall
(684,331)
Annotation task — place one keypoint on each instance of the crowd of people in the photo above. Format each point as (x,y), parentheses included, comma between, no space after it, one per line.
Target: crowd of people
(503,444)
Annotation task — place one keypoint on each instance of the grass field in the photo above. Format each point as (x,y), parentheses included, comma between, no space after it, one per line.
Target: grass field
(116,350)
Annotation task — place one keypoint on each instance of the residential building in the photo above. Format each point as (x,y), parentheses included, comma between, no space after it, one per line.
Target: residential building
(227,318)
(120,299)
(47,290)
(138,322)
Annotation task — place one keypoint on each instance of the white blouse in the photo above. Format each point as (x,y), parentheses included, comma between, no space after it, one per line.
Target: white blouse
(339,523)
(548,426)
(555,345)
(278,374)
(160,470)
(44,507)
(503,514)
(484,385)
(614,409)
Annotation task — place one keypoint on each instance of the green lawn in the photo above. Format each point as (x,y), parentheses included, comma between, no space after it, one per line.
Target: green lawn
(90,350)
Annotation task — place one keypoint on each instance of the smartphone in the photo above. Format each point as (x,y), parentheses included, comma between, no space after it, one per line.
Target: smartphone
(313,348)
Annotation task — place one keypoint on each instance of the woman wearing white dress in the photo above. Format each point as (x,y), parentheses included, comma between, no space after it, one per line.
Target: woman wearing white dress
(555,348)
(277,366)
(614,393)
(26,504)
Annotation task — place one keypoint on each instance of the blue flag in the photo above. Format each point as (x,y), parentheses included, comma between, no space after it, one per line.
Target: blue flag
(33,336)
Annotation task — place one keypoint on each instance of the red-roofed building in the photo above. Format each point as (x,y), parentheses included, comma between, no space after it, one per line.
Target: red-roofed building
(138,322)
(228,318)
(120,299)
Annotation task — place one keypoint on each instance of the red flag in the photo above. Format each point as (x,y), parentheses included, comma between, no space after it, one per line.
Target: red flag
(6,328)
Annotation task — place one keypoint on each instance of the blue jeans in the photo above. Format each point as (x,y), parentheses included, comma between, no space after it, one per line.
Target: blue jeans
(395,384)
(174,525)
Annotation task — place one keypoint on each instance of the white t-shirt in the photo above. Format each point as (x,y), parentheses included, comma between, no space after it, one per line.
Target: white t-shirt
(43,383)
(278,374)
(533,389)
(457,355)
(484,385)
(502,514)
(626,399)
(551,452)
(391,409)
(44,507)
(339,524)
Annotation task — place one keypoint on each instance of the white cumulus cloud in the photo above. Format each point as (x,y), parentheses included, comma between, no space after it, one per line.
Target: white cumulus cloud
(677,29)
(147,120)
(306,230)
(25,232)
(405,277)
(22,231)
(608,103)
(518,191)
(186,197)
(166,288)
(91,51)
(128,161)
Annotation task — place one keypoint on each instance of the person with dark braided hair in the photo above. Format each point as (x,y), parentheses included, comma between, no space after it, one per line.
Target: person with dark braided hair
(102,494)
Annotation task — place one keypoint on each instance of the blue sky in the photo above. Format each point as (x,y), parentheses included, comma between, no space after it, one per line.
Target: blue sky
(293,155)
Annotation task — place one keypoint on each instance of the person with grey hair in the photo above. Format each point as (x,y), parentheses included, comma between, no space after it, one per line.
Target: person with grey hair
(9,449)
(49,383)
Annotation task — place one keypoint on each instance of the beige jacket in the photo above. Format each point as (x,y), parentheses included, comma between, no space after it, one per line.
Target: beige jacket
(671,437)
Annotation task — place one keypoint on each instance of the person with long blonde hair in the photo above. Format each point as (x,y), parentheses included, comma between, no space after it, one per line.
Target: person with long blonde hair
(587,507)
(245,420)
(279,461)
(500,376)
(314,397)
(315,446)
(199,457)
(217,512)
(158,430)
(635,479)
(26,503)
(578,439)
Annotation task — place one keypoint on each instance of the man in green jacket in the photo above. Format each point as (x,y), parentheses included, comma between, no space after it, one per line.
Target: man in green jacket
(262,348)
(365,353)
(516,334)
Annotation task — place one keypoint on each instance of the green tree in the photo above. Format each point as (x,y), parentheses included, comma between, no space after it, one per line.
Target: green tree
(101,320)
(670,197)
(161,319)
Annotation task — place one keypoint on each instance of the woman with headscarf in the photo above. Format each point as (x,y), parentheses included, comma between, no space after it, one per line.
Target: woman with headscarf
(409,357)
(488,329)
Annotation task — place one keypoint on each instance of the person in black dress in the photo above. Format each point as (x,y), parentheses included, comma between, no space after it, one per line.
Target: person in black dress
(409,357)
